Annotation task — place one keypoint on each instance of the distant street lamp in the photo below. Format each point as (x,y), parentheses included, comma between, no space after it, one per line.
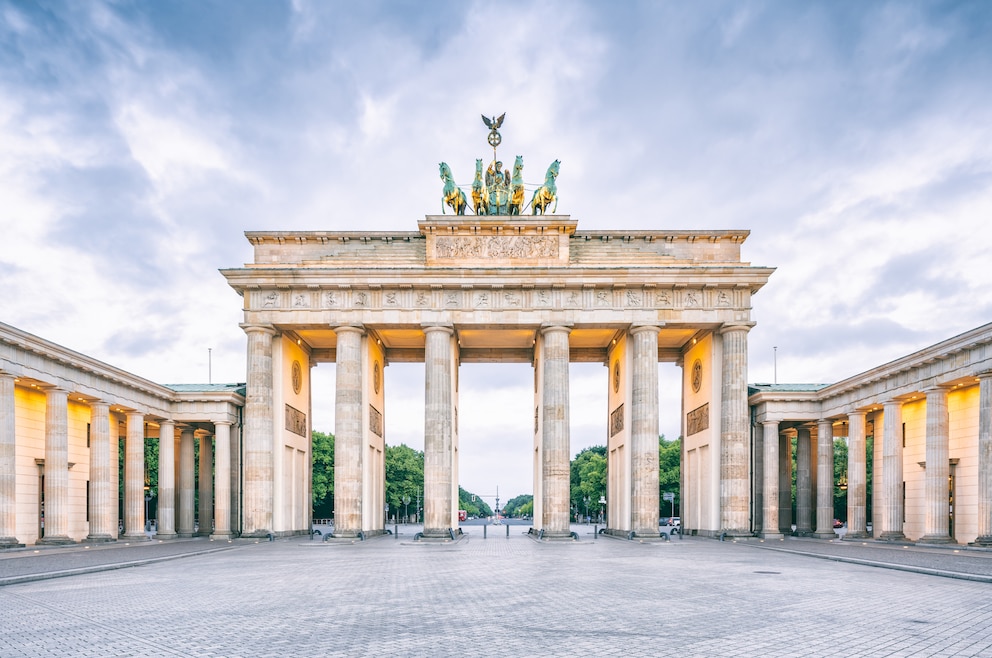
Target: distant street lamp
(148,499)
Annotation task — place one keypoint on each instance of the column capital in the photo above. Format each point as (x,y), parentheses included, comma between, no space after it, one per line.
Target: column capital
(349,328)
(223,422)
(250,328)
(984,375)
(857,412)
(556,327)
(736,326)
(438,326)
(770,423)
(638,328)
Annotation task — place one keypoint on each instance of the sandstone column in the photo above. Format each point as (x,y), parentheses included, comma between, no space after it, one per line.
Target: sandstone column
(892,501)
(438,432)
(785,484)
(206,485)
(555,520)
(187,484)
(804,483)
(938,470)
(259,432)
(56,467)
(166,526)
(825,480)
(770,525)
(222,480)
(734,432)
(643,431)
(348,434)
(235,478)
(134,478)
(985,459)
(8,466)
(101,504)
(857,481)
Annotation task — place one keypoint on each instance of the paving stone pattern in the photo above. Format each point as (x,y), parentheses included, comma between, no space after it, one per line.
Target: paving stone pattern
(497,597)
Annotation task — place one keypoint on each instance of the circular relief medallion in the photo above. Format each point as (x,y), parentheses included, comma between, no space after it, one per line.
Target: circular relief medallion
(376,377)
(297,377)
(616,376)
(697,375)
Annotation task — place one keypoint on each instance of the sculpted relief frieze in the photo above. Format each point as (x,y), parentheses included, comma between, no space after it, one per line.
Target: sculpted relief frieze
(517,247)
(498,298)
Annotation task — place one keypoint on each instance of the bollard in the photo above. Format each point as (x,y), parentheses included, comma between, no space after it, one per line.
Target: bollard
(484,526)
(396,531)
(507,531)
(595,531)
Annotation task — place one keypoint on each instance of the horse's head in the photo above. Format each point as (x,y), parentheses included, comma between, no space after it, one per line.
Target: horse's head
(445,171)
(478,166)
(553,169)
(518,165)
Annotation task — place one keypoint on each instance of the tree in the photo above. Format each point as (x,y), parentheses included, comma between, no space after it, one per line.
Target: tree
(669,473)
(840,475)
(323,475)
(588,478)
(515,505)
(477,508)
(404,477)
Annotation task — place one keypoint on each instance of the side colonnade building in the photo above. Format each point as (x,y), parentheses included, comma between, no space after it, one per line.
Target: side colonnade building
(928,418)
(62,416)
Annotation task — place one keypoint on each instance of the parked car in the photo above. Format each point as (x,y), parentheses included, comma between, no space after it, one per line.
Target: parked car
(675,521)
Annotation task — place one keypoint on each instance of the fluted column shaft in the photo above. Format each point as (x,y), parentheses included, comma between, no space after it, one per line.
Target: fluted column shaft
(56,467)
(134,477)
(222,480)
(785,484)
(187,484)
(892,502)
(166,518)
(206,485)
(438,431)
(985,459)
(734,433)
(644,430)
(857,481)
(259,433)
(101,504)
(804,482)
(770,525)
(938,470)
(348,434)
(8,465)
(825,480)
(555,432)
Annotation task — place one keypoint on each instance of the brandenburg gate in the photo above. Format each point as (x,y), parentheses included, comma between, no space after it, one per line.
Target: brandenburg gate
(498,288)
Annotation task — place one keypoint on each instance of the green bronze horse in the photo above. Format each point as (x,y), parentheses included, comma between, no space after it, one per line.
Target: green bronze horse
(547,193)
(480,196)
(452,194)
(517,187)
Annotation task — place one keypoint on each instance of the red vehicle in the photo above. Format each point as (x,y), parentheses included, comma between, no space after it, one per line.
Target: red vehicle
(462,515)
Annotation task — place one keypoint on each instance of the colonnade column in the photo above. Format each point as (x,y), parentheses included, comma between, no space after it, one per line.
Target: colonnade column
(644,430)
(186,497)
(8,465)
(892,502)
(166,518)
(206,485)
(984,459)
(101,502)
(938,505)
(785,484)
(825,480)
(348,435)
(56,467)
(804,483)
(555,435)
(769,524)
(259,430)
(222,481)
(134,477)
(438,431)
(857,480)
(734,432)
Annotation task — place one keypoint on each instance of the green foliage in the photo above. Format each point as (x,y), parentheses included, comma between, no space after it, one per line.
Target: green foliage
(478,508)
(840,475)
(514,506)
(323,475)
(588,479)
(527,509)
(669,472)
(404,479)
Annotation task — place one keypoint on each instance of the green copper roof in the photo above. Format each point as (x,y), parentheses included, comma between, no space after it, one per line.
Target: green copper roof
(207,388)
(785,388)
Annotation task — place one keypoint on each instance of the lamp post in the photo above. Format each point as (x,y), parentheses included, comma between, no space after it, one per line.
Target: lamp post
(602,502)
(585,499)
(148,499)
(406,508)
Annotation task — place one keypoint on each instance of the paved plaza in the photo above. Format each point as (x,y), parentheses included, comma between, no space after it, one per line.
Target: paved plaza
(495,597)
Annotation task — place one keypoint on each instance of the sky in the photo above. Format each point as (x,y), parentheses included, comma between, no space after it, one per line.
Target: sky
(139,140)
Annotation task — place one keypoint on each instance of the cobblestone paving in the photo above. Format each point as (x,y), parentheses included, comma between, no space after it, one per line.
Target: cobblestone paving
(495,597)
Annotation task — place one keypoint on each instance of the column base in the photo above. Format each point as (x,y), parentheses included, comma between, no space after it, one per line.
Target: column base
(825,535)
(559,535)
(438,534)
(166,535)
(221,536)
(935,539)
(189,533)
(805,532)
(893,535)
(139,537)
(10,542)
(254,534)
(56,540)
(771,535)
(99,539)
(984,540)
(855,534)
